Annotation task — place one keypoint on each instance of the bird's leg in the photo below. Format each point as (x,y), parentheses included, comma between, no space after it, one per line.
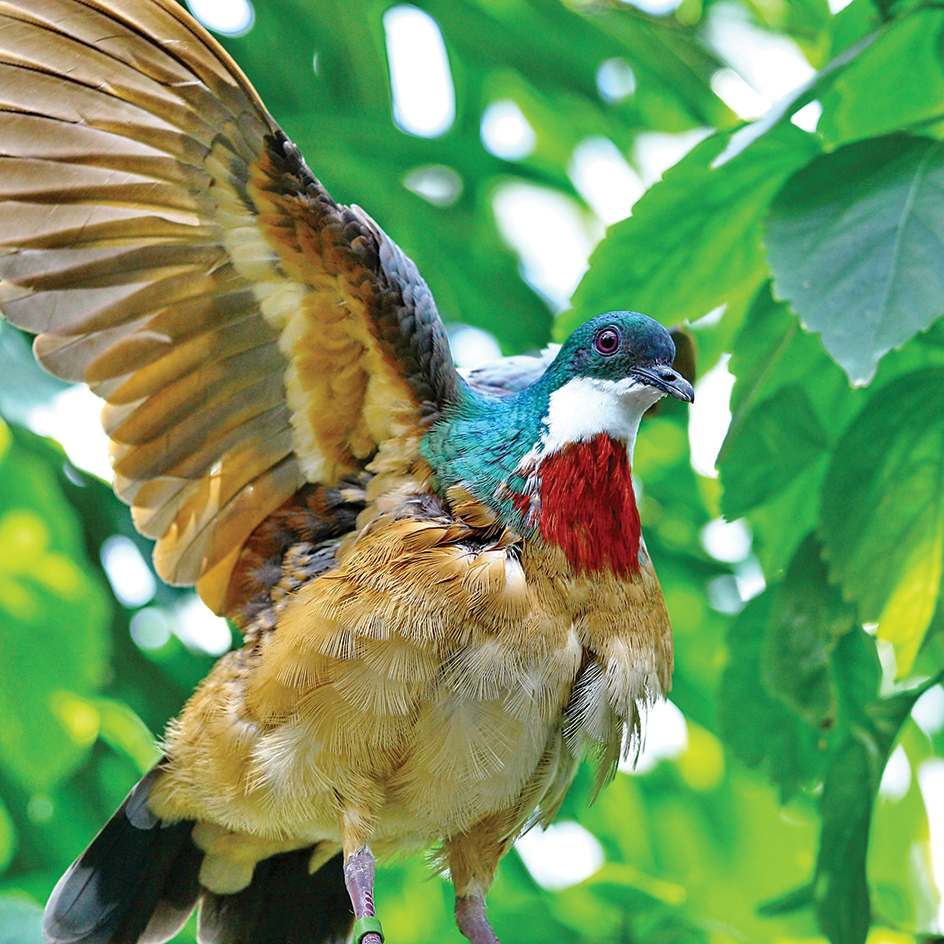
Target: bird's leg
(473,858)
(472,920)
(359,879)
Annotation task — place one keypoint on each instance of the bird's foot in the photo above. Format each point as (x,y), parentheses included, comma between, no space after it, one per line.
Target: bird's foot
(472,920)
(359,868)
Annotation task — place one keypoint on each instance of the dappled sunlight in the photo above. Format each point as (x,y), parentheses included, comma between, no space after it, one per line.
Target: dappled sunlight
(549,233)
(506,132)
(562,855)
(78,716)
(72,419)
(710,416)
(199,629)
(130,577)
(29,568)
(227,17)
(423,97)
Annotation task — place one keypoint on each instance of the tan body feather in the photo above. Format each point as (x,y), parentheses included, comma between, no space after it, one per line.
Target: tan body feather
(439,682)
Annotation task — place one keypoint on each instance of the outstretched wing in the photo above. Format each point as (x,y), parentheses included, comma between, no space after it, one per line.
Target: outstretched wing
(170,247)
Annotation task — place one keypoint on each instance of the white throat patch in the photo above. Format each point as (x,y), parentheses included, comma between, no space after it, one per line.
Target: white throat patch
(588,406)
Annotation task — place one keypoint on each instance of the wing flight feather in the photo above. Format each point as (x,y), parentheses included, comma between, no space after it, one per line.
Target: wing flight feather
(169,247)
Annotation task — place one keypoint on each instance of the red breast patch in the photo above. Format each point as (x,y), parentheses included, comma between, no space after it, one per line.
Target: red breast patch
(588,507)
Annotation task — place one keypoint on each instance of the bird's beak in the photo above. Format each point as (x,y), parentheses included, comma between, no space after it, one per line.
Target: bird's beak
(666,379)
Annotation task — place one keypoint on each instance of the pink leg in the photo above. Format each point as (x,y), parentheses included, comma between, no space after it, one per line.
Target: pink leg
(472,920)
(359,879)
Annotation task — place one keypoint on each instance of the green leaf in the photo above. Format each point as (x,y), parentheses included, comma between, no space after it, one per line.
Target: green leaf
(874,95)
(779,439)
(771,352)
(856,246)
(840,889)
(758,726)
(694,240)
(780,706)
(782,523)
(807,620)
(882,509)
(772,355)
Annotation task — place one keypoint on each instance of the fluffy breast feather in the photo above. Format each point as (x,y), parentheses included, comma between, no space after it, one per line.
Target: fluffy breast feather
(441,672)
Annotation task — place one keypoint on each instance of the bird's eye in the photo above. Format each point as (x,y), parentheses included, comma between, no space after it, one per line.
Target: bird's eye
(607,342)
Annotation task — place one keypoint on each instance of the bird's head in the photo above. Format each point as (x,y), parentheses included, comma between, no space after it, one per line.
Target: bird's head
(607,374)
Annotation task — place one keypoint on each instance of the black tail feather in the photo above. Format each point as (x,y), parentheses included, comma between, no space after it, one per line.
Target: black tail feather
(135,884)
(139,881)
(284,904)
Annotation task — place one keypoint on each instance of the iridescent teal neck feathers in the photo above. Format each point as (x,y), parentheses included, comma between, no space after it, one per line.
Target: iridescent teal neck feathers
(606,375)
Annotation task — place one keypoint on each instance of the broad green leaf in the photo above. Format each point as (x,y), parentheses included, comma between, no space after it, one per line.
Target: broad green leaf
(780,702)
(856,246)
(694,240)
(874,95)
(801,19)
(807,620)
(771,356)
(852,23)
(51,633)
(771,351)
(782,523)
(882,509)
(911,606)
(755,723)
(779,439)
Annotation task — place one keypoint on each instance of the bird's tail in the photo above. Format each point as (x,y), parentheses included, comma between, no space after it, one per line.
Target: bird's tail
(139,881)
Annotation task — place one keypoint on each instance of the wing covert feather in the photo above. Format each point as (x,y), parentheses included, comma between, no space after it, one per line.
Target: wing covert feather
(169,247)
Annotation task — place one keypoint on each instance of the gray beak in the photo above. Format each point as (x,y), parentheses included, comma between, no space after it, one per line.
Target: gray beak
(666,379)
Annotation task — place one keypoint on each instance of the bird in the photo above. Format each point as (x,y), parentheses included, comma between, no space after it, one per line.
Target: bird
(445,599)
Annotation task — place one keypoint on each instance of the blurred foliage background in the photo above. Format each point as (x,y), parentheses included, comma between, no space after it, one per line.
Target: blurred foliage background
(797,798)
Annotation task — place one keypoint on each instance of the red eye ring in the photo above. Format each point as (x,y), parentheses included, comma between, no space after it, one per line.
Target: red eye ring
(607,342)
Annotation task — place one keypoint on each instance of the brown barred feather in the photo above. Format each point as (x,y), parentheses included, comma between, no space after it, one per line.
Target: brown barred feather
(169,246)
